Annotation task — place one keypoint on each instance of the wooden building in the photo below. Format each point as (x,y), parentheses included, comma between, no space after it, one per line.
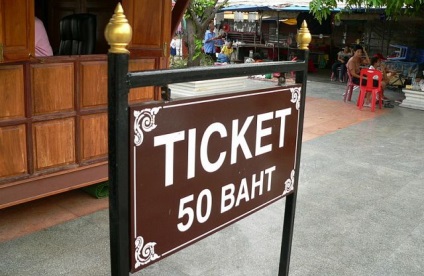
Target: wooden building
(53,110)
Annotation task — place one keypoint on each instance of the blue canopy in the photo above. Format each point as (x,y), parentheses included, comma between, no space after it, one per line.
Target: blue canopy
(247,8)
(255,8)
(293,8)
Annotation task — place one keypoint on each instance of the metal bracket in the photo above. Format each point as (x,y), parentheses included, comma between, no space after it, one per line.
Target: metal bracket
(165,93)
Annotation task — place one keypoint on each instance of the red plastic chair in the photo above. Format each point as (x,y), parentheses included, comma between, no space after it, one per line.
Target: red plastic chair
(349,88)
(370,84)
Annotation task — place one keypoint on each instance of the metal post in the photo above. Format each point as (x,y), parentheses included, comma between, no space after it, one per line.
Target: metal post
(118,34)
(118,175)
(303,40)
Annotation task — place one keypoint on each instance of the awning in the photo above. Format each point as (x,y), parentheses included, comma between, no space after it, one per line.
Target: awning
(293,8)
(281,7)
(247,8)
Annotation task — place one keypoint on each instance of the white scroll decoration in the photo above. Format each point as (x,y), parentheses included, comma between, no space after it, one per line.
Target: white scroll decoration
(295,96)
(289,184)
(144,253)
(144,120)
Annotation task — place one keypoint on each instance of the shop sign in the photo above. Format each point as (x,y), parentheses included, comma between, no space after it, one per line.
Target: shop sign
(198,165)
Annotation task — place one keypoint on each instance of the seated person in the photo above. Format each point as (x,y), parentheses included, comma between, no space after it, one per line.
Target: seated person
(42,44)
(226,51)
(359,58)
(342,58)
(376,64)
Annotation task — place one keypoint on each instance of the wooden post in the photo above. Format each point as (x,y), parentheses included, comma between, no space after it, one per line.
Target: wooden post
(118,34)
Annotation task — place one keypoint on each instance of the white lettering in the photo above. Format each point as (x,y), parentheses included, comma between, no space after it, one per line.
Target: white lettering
(261,132)
(191,153)
(282,113)
(238,139)
(268,172)
(169,140)
(228,197)
(227,194)
(257,184)
(243,192)
(204,158)
(239,143)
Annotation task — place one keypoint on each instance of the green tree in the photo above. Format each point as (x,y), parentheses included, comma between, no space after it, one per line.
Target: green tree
(198,16)
(321,9)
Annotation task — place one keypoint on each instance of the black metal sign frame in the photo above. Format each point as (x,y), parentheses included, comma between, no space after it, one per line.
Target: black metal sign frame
(120,81)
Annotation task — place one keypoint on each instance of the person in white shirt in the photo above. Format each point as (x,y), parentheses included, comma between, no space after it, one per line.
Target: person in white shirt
(173,46)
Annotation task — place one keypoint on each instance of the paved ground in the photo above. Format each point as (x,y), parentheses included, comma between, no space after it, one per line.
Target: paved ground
(359,210)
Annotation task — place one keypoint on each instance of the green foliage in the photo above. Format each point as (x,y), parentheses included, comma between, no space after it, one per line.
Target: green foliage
(179,63)
(205,60)
(321,9)
(198,16)
(201,8)
(198,44)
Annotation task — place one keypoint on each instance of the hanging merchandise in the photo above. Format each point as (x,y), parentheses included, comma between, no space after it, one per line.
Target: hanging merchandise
(219,17)
(226,27)
(251,16)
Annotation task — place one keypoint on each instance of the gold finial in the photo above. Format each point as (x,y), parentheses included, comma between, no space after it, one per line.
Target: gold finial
(303,36)
(118,32)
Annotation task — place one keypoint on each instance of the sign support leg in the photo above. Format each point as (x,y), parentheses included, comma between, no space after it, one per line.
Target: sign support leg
(290,208)
(118,163)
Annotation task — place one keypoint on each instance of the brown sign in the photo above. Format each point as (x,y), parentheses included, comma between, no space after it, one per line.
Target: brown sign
(199,165)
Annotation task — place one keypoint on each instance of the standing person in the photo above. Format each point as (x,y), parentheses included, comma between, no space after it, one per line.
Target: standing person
(209,42)
(173,46)
(42,44)
(342,58)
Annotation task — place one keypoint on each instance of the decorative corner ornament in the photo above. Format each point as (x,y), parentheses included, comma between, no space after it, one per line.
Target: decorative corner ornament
(144,120)
(144,253)
(296,96)
(118,32)
(289,184)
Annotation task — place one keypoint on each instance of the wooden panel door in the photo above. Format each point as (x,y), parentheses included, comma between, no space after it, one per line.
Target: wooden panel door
(53,143)
(52,88)
(16,29)
(150,21)
(93,136)
(141,93)
(93,84)
(151,24)
(13,152)
(12,92)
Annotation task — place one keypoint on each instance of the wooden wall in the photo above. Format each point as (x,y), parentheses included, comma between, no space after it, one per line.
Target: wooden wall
(53,111)
(54,120)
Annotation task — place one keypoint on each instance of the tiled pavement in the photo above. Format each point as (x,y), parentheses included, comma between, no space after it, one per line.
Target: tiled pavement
(359,209)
